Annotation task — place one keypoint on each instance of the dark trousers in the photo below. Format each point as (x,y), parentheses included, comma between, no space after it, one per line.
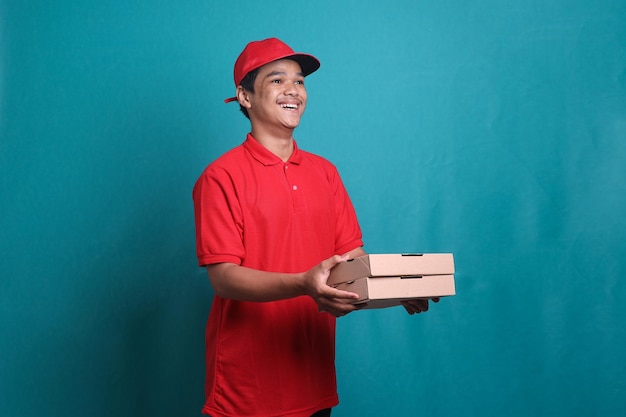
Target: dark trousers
(322,413)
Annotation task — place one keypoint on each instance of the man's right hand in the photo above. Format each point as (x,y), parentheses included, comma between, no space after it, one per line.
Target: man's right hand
(328,299)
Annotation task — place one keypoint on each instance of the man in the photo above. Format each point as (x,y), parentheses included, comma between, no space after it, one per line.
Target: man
(271,222)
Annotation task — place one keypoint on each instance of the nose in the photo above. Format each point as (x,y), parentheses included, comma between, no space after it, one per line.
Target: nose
(293,88)
(290,89)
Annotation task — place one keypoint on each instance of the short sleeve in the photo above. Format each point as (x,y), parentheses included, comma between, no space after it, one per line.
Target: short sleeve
(218,218)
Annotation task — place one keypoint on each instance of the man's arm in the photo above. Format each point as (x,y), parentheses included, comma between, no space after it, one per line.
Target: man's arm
(355,253)
(245,284)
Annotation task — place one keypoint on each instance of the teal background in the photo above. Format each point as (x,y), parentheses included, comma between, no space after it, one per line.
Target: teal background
(494,130)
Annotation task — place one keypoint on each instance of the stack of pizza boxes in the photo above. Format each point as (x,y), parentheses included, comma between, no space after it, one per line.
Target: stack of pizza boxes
(385,280)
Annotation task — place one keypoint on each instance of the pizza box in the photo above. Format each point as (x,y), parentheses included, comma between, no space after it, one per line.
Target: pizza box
(381,292)
(392,265)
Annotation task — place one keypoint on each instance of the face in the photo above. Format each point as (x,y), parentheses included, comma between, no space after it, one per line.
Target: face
(279,97)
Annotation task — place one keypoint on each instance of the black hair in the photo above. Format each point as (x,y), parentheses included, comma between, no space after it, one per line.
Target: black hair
(247,83)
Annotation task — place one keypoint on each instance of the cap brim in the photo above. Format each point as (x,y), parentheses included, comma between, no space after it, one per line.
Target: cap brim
(308,63)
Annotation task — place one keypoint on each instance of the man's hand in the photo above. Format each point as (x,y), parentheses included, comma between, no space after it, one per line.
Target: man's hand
(329,299)
(417,305)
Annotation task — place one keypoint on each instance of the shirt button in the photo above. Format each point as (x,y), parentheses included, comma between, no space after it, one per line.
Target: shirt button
(295,187)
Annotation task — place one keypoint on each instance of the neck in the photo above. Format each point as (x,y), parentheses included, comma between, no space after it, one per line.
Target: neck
(280,145)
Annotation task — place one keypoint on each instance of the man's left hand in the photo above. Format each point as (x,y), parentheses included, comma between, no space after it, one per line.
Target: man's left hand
(418,305)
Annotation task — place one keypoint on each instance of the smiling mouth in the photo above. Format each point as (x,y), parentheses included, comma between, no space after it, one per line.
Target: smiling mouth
(289,106)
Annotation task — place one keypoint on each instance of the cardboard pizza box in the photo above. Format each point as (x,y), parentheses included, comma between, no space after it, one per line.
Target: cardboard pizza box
(392,265)
(381,292)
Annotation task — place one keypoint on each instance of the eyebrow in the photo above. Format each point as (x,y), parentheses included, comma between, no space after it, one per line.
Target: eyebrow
(274,73)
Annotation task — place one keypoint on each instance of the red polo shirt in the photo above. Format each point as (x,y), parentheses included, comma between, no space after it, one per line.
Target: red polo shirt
(253,209)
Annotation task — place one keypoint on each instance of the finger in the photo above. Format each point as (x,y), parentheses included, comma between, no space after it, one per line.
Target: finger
(331,262)
(337,308)
(340,294)
(408,308)
(417,306)
(422,305)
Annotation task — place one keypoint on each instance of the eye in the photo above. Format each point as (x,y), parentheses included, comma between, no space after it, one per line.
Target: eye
(300,82)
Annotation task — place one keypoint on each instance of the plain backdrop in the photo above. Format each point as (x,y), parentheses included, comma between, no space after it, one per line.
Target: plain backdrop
(494,129)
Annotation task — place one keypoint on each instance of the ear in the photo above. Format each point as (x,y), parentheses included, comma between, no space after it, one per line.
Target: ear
(243,97)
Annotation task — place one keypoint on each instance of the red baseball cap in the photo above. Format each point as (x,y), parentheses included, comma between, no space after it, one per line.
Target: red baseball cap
(258,53)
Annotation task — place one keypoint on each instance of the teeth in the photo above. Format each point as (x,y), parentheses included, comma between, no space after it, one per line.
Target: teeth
(289,106)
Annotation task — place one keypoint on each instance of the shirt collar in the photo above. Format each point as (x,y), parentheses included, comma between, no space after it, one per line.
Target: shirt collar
(264,156)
